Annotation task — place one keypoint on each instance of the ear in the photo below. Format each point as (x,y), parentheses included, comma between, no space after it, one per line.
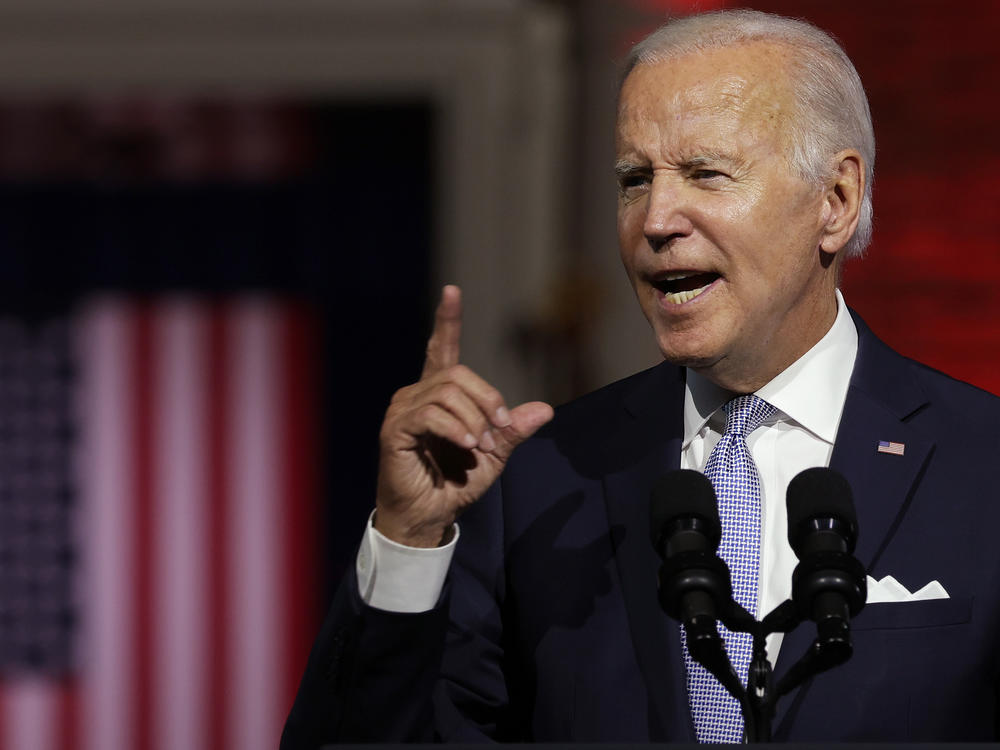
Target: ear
(842,201)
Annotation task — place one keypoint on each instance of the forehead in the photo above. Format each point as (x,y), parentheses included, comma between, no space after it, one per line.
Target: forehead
(740,94)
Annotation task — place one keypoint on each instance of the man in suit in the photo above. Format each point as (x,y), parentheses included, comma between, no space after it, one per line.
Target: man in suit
(745,159)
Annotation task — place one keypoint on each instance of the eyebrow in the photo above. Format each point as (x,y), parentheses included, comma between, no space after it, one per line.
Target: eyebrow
(705,157)
(624,166)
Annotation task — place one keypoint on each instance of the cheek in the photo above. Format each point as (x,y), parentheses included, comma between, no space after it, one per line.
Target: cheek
(630,217)
(630,234)
(772,233)
(627,256)
(731,217)
(755,206)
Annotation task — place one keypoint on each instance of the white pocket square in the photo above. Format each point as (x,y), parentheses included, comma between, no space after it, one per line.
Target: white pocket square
(891,590)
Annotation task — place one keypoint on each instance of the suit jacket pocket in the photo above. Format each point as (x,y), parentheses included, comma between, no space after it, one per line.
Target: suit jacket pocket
(931,613)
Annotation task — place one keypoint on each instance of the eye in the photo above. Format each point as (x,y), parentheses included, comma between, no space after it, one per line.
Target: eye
(707,174)
(632,182)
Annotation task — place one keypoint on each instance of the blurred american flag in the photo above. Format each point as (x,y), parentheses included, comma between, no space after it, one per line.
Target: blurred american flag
(157,524)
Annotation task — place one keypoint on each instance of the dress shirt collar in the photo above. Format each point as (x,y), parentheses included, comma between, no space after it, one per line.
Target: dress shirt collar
(811,391)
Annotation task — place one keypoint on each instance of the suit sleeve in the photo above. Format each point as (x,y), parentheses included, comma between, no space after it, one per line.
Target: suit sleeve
(472,699)
(370,675)
(376,676)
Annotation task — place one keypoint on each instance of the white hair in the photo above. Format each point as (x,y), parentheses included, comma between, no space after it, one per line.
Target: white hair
(832,109)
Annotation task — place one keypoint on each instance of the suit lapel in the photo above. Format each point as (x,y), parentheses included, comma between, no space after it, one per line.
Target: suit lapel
(652,439)
(882,396)
(882,483)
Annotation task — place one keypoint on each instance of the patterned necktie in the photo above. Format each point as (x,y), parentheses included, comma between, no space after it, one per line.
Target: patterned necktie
(731,470)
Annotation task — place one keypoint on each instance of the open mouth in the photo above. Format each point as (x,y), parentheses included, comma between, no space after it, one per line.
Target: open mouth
(684,286)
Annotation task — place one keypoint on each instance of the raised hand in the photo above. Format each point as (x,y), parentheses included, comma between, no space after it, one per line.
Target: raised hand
(445,439)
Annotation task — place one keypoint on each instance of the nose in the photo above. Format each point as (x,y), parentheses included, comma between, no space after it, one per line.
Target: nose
(666,218)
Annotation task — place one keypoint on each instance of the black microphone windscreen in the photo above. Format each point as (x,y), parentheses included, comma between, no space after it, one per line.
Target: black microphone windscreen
(683,493)
(819,493)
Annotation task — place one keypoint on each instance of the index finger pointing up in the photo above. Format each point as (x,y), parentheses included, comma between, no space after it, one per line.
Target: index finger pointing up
(443,346)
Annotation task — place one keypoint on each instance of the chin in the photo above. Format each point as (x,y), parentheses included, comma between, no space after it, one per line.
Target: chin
(686,353)
(692,339)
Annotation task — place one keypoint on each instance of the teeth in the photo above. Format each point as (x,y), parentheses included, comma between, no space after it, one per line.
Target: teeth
(677,276)
(679,298)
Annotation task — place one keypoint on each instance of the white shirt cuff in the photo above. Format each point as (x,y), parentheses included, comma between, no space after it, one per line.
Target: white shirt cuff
(397,578)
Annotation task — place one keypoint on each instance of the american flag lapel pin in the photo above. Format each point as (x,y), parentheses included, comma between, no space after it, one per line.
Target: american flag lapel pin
(896,449)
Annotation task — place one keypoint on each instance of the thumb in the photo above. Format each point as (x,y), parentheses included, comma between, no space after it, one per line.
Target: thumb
(525,420)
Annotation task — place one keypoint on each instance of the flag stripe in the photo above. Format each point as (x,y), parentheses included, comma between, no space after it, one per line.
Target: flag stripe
(105,476)
(69,715)
(299,497)
(30,709)
(146,375)
(253,709)
(180,543)
(219,508)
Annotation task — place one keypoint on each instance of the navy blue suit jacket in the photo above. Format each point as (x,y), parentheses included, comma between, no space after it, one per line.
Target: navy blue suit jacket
(549,627)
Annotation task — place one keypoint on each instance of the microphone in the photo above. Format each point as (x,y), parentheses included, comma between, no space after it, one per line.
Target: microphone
(695,586)
(821,513)
(684,514)
(828,584)
(685,531)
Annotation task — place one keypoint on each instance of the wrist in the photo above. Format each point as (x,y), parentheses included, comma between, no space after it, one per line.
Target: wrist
(424,535)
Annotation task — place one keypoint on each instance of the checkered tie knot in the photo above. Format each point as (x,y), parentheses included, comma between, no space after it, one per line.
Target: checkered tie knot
(730,468)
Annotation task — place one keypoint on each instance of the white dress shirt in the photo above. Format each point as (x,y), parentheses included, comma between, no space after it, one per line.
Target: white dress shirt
(808,398)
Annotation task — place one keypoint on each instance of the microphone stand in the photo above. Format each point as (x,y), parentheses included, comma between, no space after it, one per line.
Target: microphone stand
(759,699)
(708,649)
